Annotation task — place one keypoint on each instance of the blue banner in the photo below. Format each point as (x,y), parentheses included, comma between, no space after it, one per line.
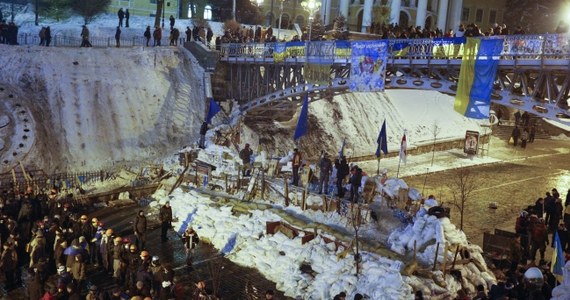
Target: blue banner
(368,66)
(486,66)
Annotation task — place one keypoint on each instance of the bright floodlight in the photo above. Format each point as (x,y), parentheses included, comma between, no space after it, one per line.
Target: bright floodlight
(311,6)
(259,2)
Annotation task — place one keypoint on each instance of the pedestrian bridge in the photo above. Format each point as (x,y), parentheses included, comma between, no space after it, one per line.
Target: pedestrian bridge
(533,74)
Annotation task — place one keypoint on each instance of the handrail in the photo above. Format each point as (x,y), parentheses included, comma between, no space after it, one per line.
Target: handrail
(531,47)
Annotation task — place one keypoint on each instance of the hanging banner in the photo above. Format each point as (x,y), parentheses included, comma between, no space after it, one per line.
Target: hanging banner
(317,73)
(368,66)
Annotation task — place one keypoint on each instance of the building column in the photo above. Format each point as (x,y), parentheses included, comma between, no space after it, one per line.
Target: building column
(326,11)
(343,10)
(454,18)
(442,15)
(421,13)
(395,11)
(367,15)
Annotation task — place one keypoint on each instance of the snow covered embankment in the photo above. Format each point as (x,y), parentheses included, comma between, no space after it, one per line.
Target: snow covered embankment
(108,105)
(429,232)
(242,238)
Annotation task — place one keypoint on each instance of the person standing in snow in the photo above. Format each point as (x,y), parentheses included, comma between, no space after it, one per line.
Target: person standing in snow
(245,155)
(190,239)
(209,36)
(127,16)
(524,138)
(188,34)
(515,135)
(325,165)
(42,36)
(121,15)
(85,37)
(165,217)
(157,35)
(342,170)
(355,182)
(172,21)
(297,161)
(203,130)
(118,37)
(147,35)
(140,228)
(48,36)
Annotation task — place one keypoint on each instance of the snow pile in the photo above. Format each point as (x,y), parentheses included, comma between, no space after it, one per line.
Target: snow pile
(429,233)
(562,292)
(242,239)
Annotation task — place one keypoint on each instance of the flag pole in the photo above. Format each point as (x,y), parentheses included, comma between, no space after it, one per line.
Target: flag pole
(378,167)
(399,162)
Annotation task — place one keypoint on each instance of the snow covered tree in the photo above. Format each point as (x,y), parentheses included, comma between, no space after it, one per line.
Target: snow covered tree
(88,9)
(340,31)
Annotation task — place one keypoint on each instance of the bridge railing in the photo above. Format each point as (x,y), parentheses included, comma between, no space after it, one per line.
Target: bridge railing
(544,46)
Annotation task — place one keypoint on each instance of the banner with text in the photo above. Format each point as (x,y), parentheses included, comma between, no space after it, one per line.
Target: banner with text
(368,70)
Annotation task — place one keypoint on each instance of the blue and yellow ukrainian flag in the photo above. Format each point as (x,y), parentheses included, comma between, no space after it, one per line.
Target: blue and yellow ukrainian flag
(557,263)
(279,52)
(400,49)
(448,47)
(478,71)
(342,49)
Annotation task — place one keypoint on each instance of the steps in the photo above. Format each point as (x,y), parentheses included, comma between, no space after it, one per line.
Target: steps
(504,132)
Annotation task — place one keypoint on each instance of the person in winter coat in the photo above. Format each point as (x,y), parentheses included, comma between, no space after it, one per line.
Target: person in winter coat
(325,165)
(48,36)
(78,270)
(165,217)
(121,15)
(85,37)
(127,17)
(209,36)
(190,239)
(118,37)
(515,135)
(342,170)
(297,161)
(355,182)
(524,138)
(8,264)
(556,215)
(522,227)
(72,292)
(538,239)
(157,36)
(203,130)
(116,253)
(172,21)
(42,36)
(188,34)
(245,155)
(140,228)
(147,35)
(174,35)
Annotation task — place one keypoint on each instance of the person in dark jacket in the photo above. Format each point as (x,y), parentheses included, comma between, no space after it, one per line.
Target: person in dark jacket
(165,218)
(121,15)
(172,21)
(203,129)
(140,228)
(191,240)
(127,16)
(325,165)
(297,162)
(118,37)
(342,170)
(48,36)
(245,156)
(515,135)
(147,35)
(188,34)
(355,182)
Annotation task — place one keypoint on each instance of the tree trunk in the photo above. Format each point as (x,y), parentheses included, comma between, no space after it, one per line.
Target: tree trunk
(159,7)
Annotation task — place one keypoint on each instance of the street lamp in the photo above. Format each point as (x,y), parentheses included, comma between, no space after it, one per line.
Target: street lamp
(311,6)
(280,18)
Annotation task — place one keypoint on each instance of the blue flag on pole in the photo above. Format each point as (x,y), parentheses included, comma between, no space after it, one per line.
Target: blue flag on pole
(382,141)
(303,121)
(213,110)
(557,263)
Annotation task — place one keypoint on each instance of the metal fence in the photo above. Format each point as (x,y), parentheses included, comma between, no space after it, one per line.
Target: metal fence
(534,47)
(59,40)
(17,182)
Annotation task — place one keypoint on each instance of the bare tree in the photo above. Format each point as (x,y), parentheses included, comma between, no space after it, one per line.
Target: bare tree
(435,132)
(159,13)
(461,186)
(356,220)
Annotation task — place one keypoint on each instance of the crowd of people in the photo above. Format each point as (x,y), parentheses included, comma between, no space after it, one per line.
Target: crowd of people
(46,236)
(528,132)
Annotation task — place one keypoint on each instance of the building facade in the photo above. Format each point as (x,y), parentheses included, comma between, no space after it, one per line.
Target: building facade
(360,14)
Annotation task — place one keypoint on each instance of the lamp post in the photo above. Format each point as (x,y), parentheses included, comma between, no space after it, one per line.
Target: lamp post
(311,6)
(280,18)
